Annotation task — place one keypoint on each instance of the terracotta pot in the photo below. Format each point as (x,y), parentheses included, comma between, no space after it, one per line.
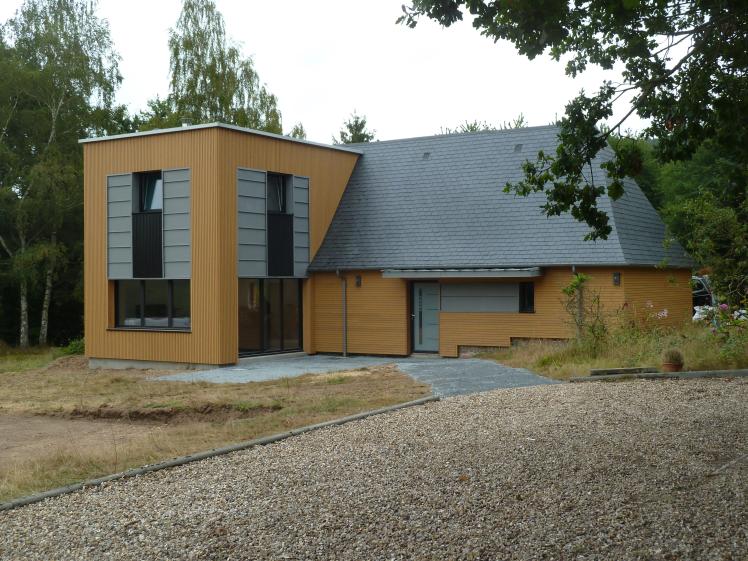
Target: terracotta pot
(671,367)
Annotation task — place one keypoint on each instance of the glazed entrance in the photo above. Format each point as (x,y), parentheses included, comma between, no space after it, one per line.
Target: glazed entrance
(269,315)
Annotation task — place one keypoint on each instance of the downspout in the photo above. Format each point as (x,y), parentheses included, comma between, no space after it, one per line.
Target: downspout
(580,306)
(344,291)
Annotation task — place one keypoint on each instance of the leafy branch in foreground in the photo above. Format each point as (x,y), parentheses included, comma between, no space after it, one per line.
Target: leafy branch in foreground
(684,66)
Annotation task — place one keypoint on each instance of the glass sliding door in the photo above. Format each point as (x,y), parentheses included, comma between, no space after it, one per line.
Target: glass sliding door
(250,315)
(273,318)
(291,314)
(269,315)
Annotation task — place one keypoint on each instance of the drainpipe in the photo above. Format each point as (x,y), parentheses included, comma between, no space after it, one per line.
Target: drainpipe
(344,290)
(580,306)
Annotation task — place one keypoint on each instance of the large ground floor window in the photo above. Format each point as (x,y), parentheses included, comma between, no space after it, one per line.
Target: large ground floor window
(152,304)
(269,315)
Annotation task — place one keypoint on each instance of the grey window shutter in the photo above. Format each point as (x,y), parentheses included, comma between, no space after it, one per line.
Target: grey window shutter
(119,226)
(480,297)
(251,223)
(300,225)
(177,235)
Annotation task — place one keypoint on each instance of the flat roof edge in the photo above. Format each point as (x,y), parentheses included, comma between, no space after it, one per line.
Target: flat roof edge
(221,126)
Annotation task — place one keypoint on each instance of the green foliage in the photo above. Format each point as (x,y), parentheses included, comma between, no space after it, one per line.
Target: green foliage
(298,132)
(704,203)
(730,326)
(75,347)
(354,130)
(586,311)
(478,126)
(576,284)
(60,73)
(683,61)
(210,78)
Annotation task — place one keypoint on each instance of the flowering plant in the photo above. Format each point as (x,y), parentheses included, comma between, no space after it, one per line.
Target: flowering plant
(730,325)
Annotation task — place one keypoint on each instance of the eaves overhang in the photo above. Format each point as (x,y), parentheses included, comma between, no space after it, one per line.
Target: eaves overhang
(477,273)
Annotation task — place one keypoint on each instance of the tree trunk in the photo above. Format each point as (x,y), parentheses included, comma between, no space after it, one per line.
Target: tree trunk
(23,337)
(24,331)
(44,325)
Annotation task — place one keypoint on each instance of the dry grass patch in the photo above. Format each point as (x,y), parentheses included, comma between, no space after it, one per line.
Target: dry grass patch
(174,418)
(623,347)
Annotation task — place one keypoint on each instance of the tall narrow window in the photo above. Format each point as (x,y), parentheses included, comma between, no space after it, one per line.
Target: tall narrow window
(147,226)
(151,194)
(527,297)
(279,225)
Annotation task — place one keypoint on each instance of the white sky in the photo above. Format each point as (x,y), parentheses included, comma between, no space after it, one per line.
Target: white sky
(326,58)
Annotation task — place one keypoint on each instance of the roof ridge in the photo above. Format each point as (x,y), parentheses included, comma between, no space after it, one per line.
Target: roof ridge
(456,134)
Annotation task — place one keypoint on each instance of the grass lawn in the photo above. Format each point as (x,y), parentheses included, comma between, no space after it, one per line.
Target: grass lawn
(63,423)
(625,347)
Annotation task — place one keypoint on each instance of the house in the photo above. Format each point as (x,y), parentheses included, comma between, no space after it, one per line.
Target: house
(204,243)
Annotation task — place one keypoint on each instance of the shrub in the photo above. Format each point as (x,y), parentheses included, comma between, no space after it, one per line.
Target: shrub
(672,356)
(75,347)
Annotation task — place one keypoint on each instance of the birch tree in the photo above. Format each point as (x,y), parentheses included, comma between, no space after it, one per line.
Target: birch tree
(71,72)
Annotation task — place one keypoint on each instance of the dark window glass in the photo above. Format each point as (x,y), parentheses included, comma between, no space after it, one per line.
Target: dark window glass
(156,303)
(291,314)
(151,191)
(269,315)
(278,193)
(129,306)
(527,297)
(180,305)
(273,319)
(250,315)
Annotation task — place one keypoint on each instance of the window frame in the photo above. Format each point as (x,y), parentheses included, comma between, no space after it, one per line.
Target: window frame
(285,189)
(526,288)
(141,297)
(140,175)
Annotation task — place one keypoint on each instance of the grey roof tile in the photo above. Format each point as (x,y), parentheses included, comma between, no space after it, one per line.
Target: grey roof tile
(402,210)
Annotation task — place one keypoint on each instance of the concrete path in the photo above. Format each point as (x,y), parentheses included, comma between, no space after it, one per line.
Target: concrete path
(447,376)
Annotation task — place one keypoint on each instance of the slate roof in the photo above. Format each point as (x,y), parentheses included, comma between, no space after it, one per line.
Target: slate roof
(438,202)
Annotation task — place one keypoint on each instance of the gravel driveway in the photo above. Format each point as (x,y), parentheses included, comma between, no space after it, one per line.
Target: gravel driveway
(635,470)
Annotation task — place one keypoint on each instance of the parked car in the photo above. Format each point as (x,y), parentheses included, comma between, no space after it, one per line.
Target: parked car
(705,301)
(702,293)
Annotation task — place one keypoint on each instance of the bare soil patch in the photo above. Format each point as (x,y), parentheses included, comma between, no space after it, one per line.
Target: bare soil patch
(62,422)
(26,438)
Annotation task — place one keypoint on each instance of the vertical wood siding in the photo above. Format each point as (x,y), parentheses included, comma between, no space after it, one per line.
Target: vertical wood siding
(212,155)
(551,321)
(378,317)
(206,343)
(652,291)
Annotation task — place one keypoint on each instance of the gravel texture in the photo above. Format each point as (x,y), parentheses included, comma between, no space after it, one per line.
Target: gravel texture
(635,470)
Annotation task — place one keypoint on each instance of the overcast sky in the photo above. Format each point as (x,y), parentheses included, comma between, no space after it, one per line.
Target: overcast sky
(327,58)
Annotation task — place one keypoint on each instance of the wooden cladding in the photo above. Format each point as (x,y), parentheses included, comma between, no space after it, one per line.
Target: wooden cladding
(212,157)
(378,314)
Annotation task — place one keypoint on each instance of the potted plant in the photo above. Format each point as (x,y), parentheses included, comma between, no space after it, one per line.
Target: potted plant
(672,360)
